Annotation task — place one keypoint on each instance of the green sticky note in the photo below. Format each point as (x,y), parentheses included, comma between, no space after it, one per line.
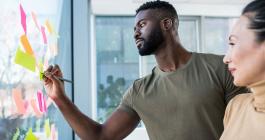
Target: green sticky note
(30,135)
(47,128)
(16,135)
(25,60)
(41,75)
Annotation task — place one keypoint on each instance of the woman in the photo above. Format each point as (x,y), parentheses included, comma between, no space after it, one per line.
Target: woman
(245,114)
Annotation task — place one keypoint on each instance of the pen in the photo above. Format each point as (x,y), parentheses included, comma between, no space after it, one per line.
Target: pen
(66,80)
(60,78)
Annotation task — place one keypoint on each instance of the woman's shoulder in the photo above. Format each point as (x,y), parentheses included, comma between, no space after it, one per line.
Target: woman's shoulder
(241,100)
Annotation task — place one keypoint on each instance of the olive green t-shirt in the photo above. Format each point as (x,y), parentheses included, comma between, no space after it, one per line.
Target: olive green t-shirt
(187,104)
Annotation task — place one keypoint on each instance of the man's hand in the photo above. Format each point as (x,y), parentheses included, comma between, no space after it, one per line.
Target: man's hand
(53,86)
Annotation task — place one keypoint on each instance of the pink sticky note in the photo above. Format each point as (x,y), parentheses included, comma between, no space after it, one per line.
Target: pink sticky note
(39,95)
(34,16)
(44,103)
(23,18)
(33,103)
(17,96)
(43,35)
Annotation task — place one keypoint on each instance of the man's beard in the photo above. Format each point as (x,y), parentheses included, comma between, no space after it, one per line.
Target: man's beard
(152,43)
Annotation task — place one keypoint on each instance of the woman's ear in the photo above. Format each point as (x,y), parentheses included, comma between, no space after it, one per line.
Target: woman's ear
(167,24)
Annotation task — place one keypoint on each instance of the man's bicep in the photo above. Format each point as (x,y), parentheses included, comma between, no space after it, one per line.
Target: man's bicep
(120,124)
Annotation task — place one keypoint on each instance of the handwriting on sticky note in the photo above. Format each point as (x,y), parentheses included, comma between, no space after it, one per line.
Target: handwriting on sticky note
(23,18)
(26,44)
(25,60)
(17,96)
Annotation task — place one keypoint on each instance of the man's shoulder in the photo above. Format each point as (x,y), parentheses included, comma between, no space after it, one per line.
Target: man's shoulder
(212,60)
(210,57)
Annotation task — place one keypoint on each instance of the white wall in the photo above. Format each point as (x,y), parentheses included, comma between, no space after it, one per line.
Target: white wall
(201,8)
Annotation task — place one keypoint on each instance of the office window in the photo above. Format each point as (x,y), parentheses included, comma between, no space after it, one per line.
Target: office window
(216,31)
(117,62)
(19,86)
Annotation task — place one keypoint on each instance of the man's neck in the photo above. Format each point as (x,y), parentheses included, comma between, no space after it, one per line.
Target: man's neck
(171,57)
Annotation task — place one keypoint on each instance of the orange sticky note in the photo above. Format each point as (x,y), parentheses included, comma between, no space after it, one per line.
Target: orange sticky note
(33,103)
(26,45)
(17,96)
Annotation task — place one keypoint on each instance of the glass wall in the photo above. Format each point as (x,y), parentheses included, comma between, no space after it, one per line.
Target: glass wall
(33,35)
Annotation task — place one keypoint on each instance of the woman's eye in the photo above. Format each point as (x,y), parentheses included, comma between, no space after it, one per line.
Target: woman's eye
(232,44)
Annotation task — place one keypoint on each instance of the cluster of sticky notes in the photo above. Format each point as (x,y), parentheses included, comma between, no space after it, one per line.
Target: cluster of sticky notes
(49,131)
(25,55)
(39,106)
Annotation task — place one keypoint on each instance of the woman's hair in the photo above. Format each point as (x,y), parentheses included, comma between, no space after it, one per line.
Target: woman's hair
(255,11)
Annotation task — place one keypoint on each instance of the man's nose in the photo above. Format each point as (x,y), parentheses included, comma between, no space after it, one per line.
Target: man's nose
(136,34)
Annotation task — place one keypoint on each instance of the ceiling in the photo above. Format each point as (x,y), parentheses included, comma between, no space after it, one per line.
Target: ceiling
(203,1)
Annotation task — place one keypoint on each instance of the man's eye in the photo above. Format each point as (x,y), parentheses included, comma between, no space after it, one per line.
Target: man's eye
(142,24)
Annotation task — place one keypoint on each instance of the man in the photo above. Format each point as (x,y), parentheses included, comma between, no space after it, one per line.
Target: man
(183,98)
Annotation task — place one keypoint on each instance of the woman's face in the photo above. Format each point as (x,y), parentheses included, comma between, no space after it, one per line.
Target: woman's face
(245,56)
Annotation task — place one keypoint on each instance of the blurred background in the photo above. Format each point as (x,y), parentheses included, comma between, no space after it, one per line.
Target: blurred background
(93,43)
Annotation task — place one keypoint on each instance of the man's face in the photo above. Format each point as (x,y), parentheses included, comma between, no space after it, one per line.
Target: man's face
(147,32)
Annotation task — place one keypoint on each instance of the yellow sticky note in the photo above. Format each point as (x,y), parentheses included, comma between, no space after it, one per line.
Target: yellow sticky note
(47,128)
(49,27)
(25,60)
(17,96)
(26,45)
(30,135)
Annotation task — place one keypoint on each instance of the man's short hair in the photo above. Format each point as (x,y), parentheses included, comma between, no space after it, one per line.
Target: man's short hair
(168,10)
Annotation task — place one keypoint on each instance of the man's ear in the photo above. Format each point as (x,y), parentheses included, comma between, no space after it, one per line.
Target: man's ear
(167,24)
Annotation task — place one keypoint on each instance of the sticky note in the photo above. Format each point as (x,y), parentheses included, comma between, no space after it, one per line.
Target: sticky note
(53,132)
(26,44)
(17,96)
(53,49)
(30,135)
(40,100)
(47,128)
(16,135)
(41,73)
(34,106)
(25,60)
(49,27)
(43,35)
(34,17)
(23,18)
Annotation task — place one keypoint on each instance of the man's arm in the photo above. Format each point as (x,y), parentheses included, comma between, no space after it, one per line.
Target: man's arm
(117,127)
